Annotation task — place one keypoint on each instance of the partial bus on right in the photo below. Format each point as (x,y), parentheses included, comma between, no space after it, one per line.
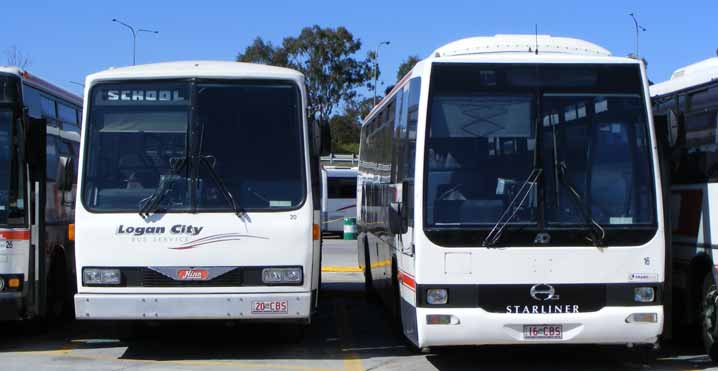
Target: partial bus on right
(686,112)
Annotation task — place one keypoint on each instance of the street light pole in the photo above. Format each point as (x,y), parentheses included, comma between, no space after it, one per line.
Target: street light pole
(134,36)
(639,28)
(376,66)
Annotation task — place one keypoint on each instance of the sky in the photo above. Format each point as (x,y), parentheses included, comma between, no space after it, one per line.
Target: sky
(67,40)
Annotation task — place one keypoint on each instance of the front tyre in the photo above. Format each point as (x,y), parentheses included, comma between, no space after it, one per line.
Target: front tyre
(709,317)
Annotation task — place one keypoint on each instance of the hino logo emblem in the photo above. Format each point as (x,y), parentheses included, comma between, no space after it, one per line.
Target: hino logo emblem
(543,292)
(192,274)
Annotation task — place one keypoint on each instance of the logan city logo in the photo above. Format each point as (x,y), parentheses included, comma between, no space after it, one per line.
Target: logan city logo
(178,229)
(144,96)
(192,274)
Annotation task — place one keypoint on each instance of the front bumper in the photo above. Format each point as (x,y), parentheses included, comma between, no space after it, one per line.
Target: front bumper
(478,327)
(189,306)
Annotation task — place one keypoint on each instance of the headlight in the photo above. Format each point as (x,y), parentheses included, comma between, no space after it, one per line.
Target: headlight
(282,275)
(101,276)
(2,284)
(437,296)
(644,294)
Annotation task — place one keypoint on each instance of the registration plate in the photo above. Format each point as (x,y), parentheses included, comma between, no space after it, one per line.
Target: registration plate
(543,332)
(271,306)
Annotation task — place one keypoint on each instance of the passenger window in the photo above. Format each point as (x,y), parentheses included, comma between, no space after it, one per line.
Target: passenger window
(48,107)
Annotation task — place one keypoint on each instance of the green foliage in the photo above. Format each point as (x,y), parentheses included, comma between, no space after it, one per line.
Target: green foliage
(326,57)
(406,66)
(345,134)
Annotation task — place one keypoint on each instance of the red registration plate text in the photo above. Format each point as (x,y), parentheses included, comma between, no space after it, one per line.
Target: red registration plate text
(270,306)
(543,332)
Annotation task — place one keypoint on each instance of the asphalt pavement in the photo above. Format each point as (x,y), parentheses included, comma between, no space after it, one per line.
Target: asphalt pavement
(349,333)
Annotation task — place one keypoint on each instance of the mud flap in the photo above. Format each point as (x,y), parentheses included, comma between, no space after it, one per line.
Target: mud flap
(409,321)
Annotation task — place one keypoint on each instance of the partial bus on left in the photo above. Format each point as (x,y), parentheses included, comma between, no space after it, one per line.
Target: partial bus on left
(39,143)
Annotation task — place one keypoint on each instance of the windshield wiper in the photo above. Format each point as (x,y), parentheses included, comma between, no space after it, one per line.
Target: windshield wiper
(152,203)
(597,236)
(222,187)
(524,191)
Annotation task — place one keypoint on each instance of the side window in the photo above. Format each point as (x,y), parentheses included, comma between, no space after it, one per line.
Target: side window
(412,118)
(31,99)
(66,114)
(47,105)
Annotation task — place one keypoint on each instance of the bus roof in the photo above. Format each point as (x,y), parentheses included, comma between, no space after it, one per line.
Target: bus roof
(41,84)
(689,76)
(505,48)
(206,69)
(520,44)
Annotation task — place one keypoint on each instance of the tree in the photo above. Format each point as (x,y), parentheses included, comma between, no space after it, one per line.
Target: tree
(406,66)
(326,57)
(345,134)
(357,109)
(16,57)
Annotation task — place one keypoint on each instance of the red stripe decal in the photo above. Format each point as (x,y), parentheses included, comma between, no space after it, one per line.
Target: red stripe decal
(15,234)
(407,280)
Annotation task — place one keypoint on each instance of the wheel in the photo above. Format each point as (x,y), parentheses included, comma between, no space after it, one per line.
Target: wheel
(709,317)
(57,290)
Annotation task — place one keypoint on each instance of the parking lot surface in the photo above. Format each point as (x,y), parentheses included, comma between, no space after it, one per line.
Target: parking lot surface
(348,334)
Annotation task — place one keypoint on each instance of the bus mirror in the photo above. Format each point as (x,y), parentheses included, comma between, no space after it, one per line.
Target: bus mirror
(35,133)
(316,136)
(65,173)
(396,221)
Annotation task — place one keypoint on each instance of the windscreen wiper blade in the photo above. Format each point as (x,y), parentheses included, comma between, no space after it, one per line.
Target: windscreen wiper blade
(222,187)
(524,191)
(598,233)
(152,203)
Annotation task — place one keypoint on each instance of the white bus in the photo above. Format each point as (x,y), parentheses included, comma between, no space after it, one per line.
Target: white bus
(186,209)
(339,197)
(509,195)
(686,112)
(39,145)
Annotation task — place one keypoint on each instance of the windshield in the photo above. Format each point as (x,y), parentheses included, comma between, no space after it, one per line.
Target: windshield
(242,138)
(584,127)
(5,153)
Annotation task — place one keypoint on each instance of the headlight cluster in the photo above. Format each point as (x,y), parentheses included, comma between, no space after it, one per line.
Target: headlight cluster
(282,275)
(101,276)
(10,283)
(644,295)
(437,296)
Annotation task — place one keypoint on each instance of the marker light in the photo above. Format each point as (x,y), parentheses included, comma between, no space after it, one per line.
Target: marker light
(13,283)
(101,276)
(441,319)
(644,294)
(282,275)
(642,317)
(437,296)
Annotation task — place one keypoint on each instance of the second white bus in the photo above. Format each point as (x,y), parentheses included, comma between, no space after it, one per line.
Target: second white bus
(509,194)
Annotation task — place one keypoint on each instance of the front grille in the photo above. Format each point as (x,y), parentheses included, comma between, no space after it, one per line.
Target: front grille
(145,277)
